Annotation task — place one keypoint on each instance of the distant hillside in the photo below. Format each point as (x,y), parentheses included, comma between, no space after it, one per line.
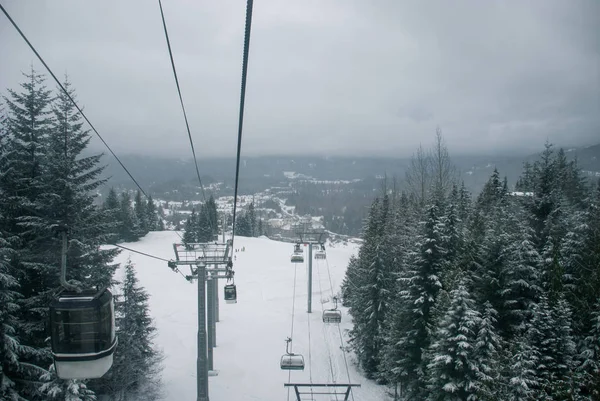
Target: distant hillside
(177,178)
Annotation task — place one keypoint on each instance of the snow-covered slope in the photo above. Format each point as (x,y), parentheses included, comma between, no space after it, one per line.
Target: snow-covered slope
(251,333)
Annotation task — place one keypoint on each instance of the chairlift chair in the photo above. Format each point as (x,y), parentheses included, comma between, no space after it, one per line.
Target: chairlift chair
(292,362)
(332,316)
(230,293)
(83,338)
(297,257)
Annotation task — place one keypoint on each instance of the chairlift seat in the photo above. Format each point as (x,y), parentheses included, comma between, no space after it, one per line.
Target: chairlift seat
(230,292)
(297,257)
(320,255)
(332,316)
(83,333)
(292,362)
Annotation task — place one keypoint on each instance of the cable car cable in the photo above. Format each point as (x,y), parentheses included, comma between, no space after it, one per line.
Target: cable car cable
(148,255)
(141,253)
(60,85)
(340,332)
(71,99)
(327,345)
(247,30)
(292,329)
(309,349)
(187,125)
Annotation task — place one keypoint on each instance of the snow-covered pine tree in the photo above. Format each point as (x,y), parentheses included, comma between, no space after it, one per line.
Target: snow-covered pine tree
(69,200)
(129,222)
(137,366)
(364,303)
(464,203)
(9,342)
(451,373)
(580,257)
(488,358)
(55,389)
(151,215)
(420,285)
(523,380)
(111,207)
(140,211)
(454,239)
(205,227)
(590,357)
(522,277)
(25,128)
(190,232)
(251,214)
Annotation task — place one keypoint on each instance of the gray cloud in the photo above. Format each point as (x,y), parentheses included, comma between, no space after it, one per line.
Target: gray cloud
(325,77)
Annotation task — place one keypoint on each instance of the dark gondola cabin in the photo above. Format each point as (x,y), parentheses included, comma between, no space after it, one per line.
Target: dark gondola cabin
(230,293)
(83,335)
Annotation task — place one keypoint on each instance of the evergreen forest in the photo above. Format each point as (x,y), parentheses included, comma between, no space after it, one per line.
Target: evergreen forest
(491,297)
(49,185)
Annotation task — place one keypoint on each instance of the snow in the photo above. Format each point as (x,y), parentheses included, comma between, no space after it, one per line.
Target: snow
(251,333)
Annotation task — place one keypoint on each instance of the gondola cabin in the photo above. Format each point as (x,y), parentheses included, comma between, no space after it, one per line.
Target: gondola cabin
(230,292)
(83,338)
(332,316)
(292,362)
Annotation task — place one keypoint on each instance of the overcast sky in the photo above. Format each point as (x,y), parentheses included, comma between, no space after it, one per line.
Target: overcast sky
(327,77)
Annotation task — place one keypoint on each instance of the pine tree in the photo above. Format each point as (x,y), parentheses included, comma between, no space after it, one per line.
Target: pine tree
(370,301)
(151,215)
(420,285)
(137,365)
(488,357)
(251,215)
(9,343)
(141,215)
(190,232)
(451,371)
(523,380)
(590,357)
(205,230)
(55,389)
(522,278)
(128,219)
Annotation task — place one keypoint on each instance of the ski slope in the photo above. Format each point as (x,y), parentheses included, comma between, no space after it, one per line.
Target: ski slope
(251,333)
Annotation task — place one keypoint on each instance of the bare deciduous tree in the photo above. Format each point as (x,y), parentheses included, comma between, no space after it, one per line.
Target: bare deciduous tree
(418,175)
(443,172)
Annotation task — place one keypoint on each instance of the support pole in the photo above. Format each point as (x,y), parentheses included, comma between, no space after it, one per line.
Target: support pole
(201,362)
(310,260)
(215,309)
(210,317)
(216,305)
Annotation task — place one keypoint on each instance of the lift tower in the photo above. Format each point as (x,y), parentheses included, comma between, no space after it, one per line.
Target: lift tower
(200,257)
(310,236)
